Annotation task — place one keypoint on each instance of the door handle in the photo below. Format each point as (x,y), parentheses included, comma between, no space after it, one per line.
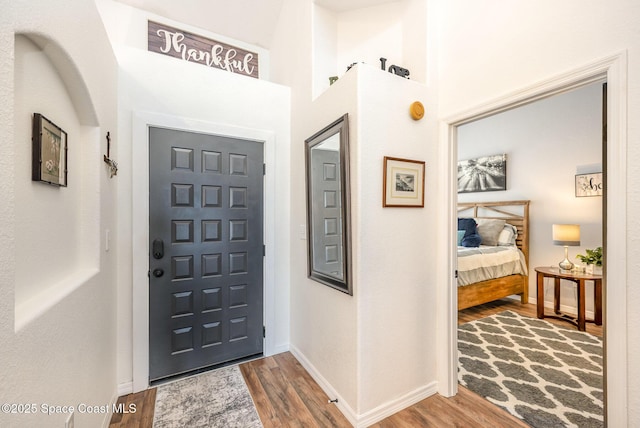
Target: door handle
(158,249)
(158,273)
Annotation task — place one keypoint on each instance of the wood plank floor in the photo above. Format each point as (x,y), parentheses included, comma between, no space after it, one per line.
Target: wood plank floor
(286,396)
(144,407)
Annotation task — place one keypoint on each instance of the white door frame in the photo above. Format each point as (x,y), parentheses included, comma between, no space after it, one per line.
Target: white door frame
(140,226)
(613,69)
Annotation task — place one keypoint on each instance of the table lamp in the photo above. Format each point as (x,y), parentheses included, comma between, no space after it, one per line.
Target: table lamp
(566,235)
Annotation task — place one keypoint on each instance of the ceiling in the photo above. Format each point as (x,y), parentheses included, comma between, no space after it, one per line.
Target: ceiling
(250,21)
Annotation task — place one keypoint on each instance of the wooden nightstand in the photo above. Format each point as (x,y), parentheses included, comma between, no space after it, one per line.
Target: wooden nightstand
(579,280)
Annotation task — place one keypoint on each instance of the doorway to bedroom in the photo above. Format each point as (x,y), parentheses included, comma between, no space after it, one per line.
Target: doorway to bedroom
(550,153)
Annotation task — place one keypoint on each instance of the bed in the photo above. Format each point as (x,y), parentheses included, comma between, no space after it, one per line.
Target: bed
(508,280)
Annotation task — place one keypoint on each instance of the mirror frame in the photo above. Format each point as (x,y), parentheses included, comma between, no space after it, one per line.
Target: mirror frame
(341,127)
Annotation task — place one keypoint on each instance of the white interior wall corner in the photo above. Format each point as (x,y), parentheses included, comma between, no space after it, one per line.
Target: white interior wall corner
(37,365)
(382,312)
(360,369)
(331,348)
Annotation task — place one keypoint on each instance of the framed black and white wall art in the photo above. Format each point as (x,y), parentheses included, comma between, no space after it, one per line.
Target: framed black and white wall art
(483,174)
(49,157)
(403,184)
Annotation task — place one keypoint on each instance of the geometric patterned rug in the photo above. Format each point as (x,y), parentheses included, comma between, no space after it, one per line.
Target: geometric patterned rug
(544,374)
(217,398)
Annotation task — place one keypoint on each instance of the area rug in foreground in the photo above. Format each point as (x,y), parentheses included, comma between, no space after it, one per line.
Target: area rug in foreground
(545,374)
(218,398)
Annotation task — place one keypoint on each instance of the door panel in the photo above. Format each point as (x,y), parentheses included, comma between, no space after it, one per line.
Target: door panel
(206,215)
(327,250)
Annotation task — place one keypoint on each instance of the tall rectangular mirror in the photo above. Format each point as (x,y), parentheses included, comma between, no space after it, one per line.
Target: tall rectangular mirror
(328,207)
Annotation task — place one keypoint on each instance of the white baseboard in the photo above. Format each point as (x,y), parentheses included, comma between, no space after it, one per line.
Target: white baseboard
(379,413)
(391,407)
(108,415)
(125,388)
(279,349)
(346,410)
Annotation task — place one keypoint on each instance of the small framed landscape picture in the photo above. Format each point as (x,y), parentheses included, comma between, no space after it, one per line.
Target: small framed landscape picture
(49,158)
(403,183)
(589,185)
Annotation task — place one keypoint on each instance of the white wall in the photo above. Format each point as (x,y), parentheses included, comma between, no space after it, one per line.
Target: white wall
(395,31)
(193,95)
(372,349)
(325,48)
(547,143)
(396,258)
(324,330)
(491,48)
(365,35)
(57,321)
(45,213)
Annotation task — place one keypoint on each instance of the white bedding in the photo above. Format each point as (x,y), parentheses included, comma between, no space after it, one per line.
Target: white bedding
(489,262)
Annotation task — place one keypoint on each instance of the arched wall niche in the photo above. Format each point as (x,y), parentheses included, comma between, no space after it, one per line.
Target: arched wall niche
(57,228)
(66,68)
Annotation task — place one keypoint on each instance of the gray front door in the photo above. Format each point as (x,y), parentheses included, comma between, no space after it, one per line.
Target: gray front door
(206,250)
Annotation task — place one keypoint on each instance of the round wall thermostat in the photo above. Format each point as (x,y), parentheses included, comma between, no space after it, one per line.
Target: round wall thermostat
(417,110)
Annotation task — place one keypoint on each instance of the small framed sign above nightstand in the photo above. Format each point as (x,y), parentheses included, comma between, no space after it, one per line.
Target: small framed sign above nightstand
(589,185)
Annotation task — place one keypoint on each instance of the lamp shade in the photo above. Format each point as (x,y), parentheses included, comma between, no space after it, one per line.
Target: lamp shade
(566,234)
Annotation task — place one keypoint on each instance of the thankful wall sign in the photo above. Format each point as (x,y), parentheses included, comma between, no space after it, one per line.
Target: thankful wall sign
(190,47)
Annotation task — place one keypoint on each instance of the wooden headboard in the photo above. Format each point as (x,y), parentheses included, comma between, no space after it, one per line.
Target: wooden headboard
(513,212)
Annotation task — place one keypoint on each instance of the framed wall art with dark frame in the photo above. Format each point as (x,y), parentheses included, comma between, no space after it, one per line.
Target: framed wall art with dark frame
(49,158)
(403,184)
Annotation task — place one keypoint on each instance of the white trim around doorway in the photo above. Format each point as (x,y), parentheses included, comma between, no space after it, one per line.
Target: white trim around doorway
(140,227)
(613,70)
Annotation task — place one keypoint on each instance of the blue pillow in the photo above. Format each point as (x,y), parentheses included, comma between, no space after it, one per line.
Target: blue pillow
(471,237)
(468,225)
(460,236)
(472,240)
